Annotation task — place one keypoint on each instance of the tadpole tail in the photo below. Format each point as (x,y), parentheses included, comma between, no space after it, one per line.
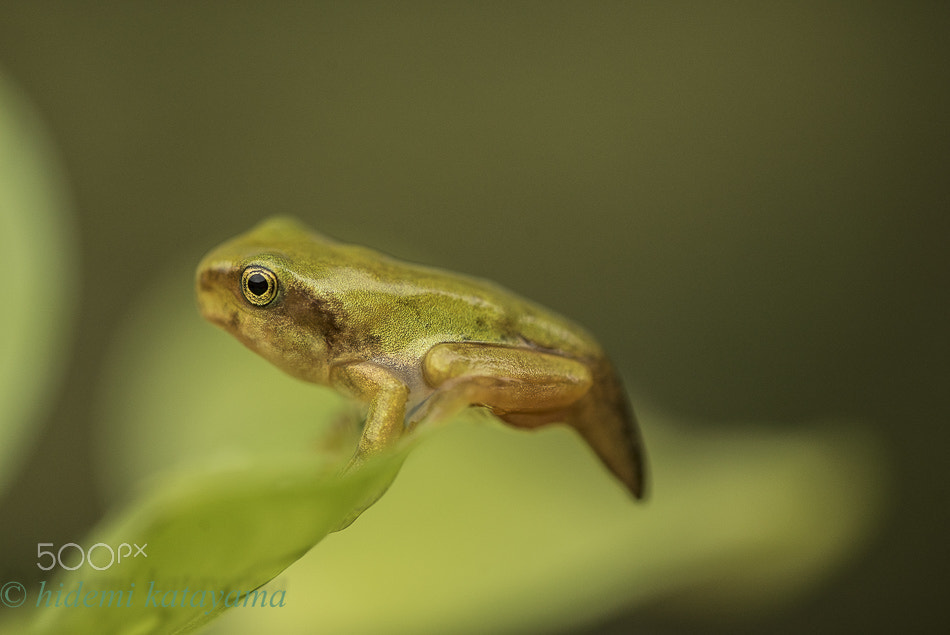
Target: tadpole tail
(606,421)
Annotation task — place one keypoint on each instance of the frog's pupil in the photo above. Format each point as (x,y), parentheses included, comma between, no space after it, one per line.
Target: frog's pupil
(257,284)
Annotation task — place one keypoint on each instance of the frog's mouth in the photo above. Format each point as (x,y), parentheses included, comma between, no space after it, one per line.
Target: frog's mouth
(230,322)
(221,316)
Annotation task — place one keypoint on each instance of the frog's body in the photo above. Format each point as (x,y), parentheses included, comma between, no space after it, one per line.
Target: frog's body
(414,343)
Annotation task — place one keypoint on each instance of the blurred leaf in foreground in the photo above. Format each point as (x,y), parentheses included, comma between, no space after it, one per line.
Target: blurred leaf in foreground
(209,539)
(38,262)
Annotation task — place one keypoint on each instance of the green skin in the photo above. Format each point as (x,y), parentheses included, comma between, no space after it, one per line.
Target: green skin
(414,344)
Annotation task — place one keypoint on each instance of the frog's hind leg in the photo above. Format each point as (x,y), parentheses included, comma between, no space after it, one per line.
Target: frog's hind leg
(529,388)
(504,378)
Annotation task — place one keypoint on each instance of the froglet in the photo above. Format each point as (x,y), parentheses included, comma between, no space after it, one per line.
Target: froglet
(414,343)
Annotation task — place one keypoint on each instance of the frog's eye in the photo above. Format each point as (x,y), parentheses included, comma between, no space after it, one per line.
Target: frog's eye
(259,285)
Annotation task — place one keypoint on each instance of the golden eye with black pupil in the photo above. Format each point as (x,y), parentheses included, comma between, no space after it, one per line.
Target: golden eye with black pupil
(259,285)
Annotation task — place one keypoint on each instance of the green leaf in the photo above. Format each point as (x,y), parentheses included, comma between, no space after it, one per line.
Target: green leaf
(210,539)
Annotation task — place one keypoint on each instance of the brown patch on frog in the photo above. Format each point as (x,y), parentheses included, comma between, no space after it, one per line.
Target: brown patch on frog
(325,318)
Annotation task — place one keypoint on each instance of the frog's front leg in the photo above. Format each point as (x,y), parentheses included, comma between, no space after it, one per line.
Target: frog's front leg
(386,396)
(524,386)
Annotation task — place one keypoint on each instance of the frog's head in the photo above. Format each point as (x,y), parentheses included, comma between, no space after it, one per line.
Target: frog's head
(257,288)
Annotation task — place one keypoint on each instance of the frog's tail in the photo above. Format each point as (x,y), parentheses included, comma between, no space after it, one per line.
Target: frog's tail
(605,419)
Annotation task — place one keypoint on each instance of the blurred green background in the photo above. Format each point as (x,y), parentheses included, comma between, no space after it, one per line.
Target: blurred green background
(747,204)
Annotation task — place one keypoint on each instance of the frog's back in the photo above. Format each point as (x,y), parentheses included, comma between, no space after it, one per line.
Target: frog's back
(474,309)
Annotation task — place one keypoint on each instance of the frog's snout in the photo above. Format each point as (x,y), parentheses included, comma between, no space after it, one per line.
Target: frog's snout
(211,290)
